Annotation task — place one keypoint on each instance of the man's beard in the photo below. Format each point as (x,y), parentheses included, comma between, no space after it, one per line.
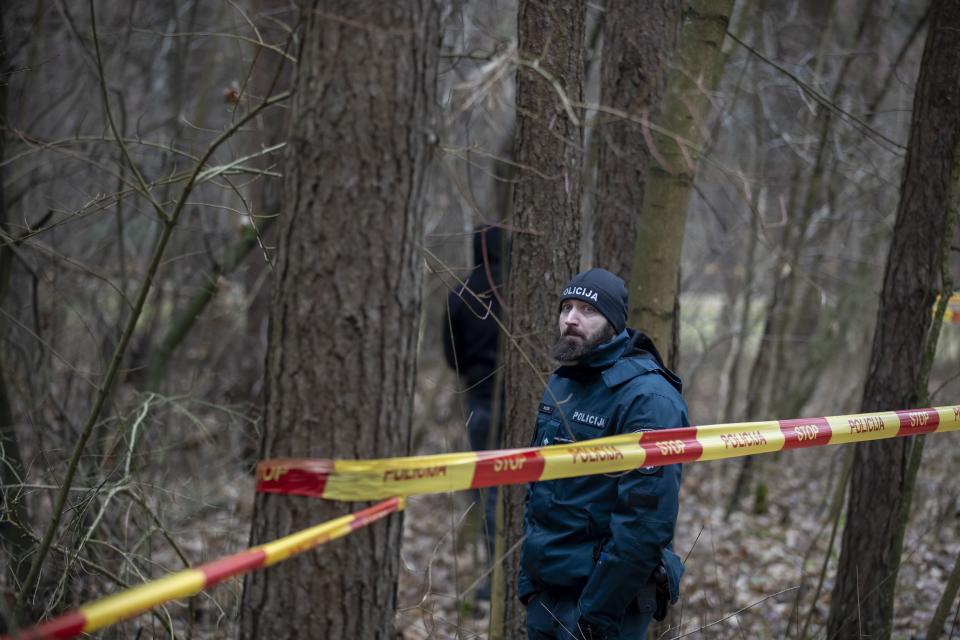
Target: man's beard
(570,350)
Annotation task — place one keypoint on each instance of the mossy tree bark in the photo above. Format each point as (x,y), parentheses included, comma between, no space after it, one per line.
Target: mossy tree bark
(884,471)
(694,73)
(341,363)
(544,250)
(638,42)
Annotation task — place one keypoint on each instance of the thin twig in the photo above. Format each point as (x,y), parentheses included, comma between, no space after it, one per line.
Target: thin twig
(823,100)
(144,190)
(206,34)
(737,612)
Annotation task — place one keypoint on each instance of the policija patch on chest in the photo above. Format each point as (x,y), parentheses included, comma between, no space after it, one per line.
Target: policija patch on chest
(589,419)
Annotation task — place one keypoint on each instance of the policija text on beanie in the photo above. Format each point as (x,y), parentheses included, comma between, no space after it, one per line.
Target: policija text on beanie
(605,291)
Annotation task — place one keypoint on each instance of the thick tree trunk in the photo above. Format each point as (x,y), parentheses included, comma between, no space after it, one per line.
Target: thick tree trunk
(639,39)
(659,239)
(544,251)
(880,488)
(342,359)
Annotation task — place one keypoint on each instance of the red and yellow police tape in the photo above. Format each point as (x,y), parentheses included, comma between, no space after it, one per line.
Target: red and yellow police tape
(376,479)
(359,480)
(132,602)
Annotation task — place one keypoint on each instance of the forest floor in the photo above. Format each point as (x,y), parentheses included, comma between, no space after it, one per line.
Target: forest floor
(752,575)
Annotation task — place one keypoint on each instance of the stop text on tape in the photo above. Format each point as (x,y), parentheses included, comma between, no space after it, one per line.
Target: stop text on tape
(376,479)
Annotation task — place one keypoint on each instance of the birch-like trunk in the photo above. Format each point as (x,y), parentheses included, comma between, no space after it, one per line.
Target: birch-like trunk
(696,68)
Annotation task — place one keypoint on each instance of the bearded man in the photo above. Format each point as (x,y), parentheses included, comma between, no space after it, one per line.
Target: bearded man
(597,561)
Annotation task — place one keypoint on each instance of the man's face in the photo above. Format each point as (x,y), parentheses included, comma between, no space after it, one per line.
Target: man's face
(582,328)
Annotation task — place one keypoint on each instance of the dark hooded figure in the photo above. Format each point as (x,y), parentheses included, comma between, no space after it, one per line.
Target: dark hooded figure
(597,558)
(470,338)
(470,331)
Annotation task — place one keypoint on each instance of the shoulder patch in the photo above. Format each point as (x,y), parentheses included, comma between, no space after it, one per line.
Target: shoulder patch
(547,409)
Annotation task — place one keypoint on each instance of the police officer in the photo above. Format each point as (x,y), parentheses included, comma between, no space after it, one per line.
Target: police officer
(597,560)
(470,340)
(471,333)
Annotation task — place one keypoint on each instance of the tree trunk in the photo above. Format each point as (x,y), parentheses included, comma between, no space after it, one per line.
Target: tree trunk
(544,251)
(341,364)
(656,261)
(639,39)
(881,483)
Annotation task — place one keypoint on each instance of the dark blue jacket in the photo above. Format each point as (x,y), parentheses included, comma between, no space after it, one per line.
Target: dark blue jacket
(603,535)
(469,326)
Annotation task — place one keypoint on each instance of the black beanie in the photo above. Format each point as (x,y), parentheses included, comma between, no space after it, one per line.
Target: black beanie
(604,291)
